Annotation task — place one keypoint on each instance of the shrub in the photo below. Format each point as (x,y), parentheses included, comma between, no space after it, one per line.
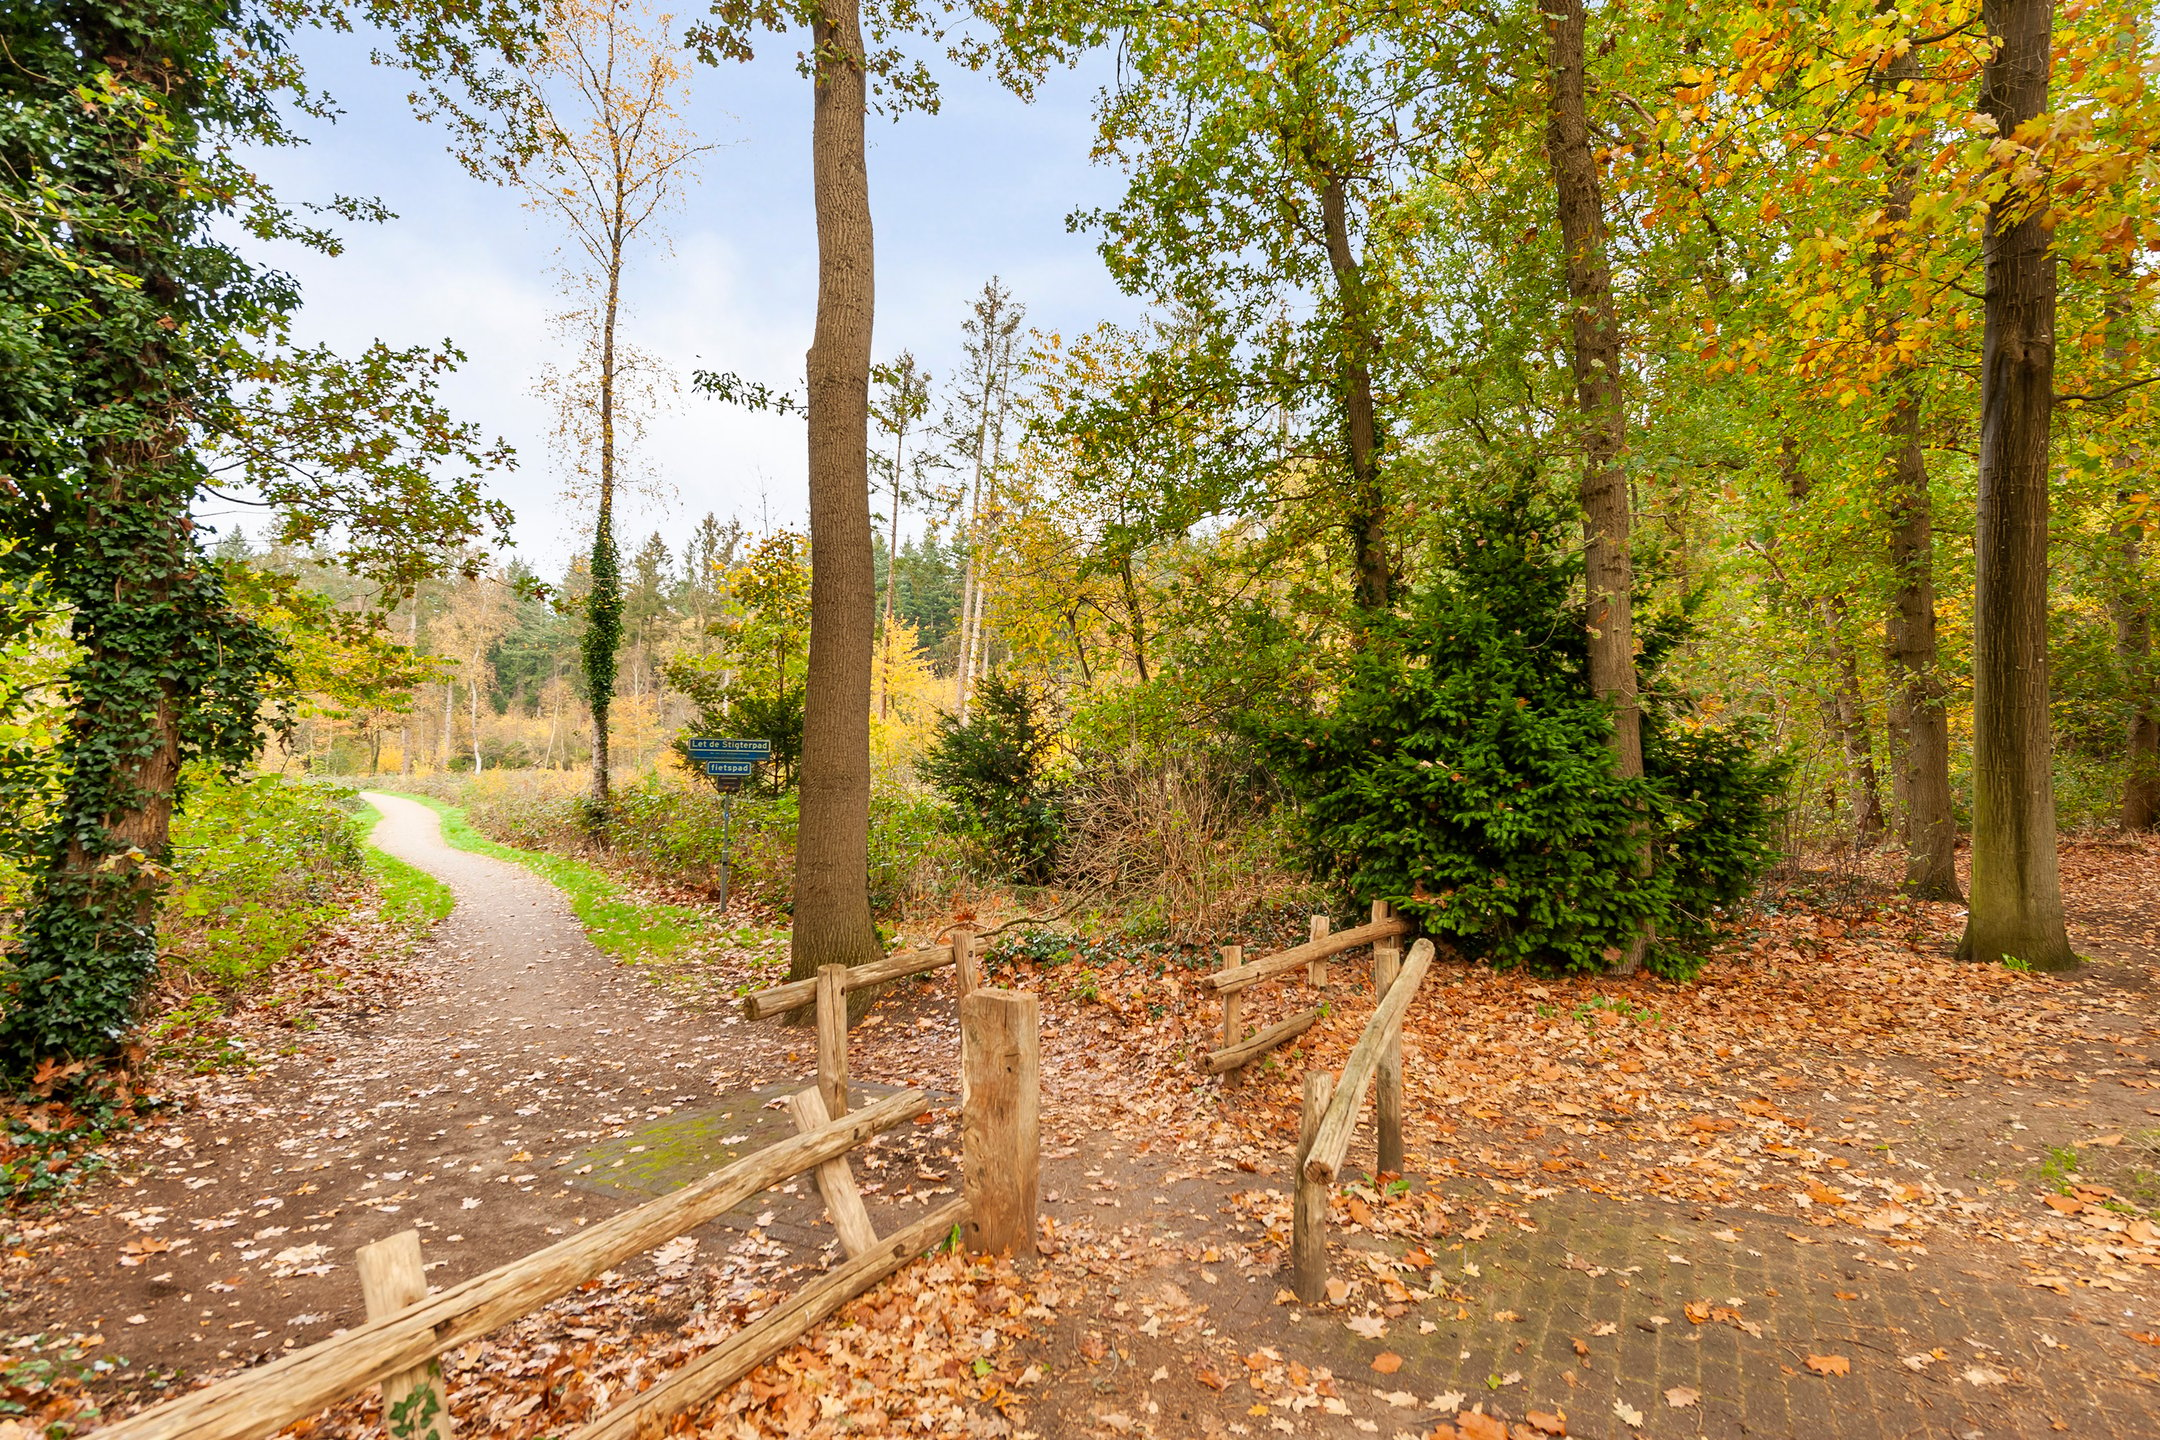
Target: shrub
(260,867)
(994,771)
(1189,842)
(1464,772)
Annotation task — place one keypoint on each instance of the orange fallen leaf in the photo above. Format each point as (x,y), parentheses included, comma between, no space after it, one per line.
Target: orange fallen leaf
(1829,1364)
(1387,1362)
(1547,1422)
(1206,1376)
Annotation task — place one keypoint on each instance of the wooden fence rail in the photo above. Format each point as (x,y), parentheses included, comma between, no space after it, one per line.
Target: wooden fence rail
(407,1329)
(256,1402)
(828,992)
(1239,1049)
(1330,1115)
(779,999)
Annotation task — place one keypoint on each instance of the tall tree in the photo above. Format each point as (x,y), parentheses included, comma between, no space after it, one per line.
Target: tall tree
(991,333)
(133,330)
(2017,907)
(592,133)
(904,402)
(832,920)
(1600,401)
(1919,717)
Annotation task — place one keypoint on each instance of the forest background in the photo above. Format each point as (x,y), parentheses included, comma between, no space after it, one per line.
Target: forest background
(1140,551)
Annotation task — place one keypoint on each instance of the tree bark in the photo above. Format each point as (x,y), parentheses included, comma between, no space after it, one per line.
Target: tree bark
(1609,575)
(1609,569)
(832,921)
(1367,518)
(2017,910)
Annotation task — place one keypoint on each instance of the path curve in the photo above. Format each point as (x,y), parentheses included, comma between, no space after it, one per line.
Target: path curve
(454,1110)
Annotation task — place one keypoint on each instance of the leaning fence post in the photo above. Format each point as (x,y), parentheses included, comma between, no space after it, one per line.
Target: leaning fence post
(1000,1080)
(1309,1215)
(832,1038)
(1387,964)
(392,1276)
(1316,970)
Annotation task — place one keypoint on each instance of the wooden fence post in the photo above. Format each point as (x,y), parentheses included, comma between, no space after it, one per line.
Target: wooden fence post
(968,971)
(1316,970)
(1309,1216)
(1233,1007)
(832,1038)
(1000,1080)
(1387,964)
(393,1276)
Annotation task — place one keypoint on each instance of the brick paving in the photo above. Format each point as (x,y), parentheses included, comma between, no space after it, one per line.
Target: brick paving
(2001,1358)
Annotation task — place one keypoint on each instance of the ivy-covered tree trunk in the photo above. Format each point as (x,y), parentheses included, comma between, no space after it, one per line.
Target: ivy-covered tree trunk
(100,487)
(832,920)
(1366,515)
(2017,908)
(603,636)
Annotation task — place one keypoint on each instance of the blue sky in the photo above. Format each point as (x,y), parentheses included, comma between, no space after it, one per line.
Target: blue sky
(980,189)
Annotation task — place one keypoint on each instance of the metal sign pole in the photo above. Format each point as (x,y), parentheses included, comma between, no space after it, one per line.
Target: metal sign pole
(727,845)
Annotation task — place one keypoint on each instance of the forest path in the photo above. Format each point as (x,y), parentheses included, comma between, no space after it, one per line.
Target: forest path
(461,1110)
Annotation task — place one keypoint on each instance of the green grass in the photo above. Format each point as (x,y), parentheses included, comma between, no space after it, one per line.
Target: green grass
(410,895)
(621,924)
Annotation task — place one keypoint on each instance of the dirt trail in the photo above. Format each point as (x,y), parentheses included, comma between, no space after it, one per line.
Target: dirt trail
(457,1111)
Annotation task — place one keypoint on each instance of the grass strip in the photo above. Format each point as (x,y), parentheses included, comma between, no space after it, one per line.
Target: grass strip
(617,921)
(410,896)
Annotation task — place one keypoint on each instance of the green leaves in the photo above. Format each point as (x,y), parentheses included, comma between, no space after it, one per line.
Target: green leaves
(1464,774)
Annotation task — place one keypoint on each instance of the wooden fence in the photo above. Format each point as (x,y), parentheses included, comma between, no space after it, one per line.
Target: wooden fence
(1239,1049)
(407,1329)
(828,992)
(1330,1114)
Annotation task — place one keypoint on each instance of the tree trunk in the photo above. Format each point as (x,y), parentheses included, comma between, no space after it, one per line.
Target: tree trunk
(892,573)
(1367,518)
(1849,711)
(2133,647)
(832,921)
(2017,910)
(1919,723)
(1609,574)
(603,608)
(473,687)
(1845,707)
(412,646)
(1609,569)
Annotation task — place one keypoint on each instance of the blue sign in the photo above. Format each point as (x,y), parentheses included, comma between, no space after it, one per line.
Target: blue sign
(706,747)
(730,767)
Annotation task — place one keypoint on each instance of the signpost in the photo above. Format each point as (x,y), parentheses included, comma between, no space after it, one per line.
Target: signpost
(728,764)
